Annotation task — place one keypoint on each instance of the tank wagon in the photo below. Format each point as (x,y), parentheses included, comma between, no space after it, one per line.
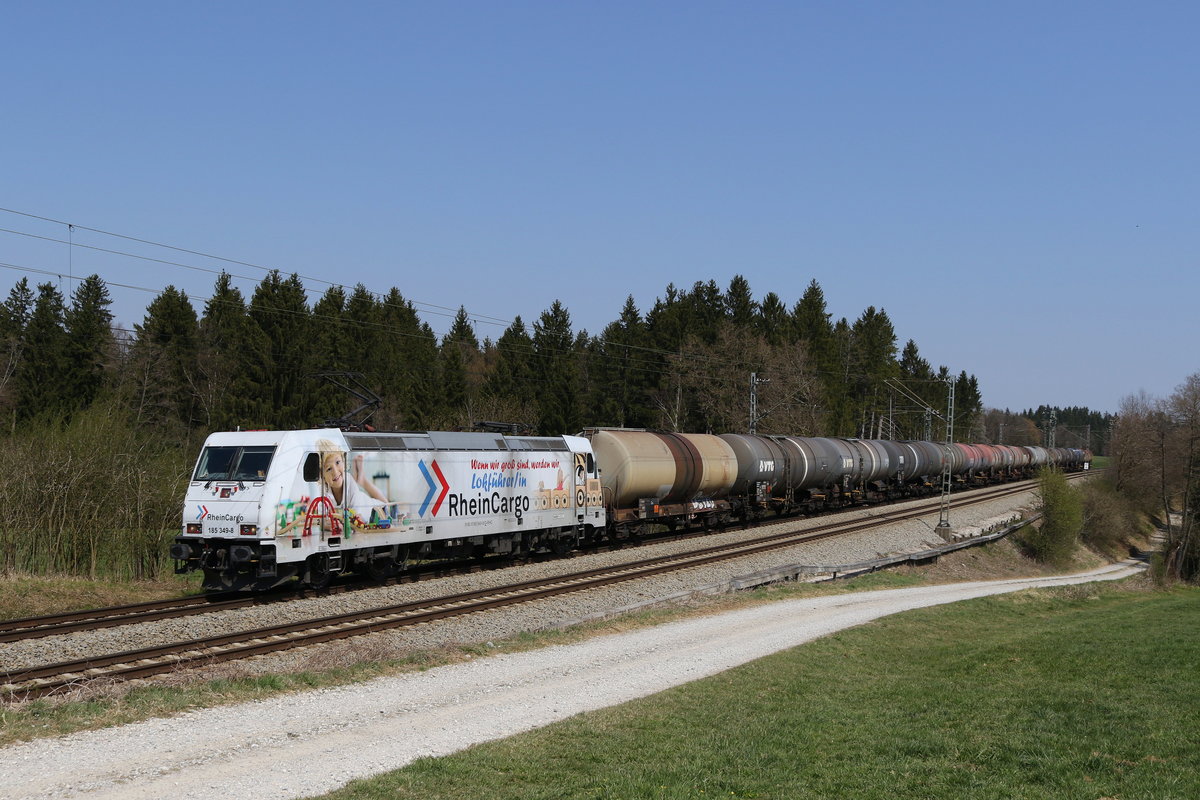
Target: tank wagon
(267,507)
(650,477)
(264,508)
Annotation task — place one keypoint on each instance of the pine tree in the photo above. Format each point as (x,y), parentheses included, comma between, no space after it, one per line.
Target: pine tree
(773,321)
(14,316)
(164,363)
(89,340)
(233,358)
(44,371)
(279,307)
(512,378)
(874,345)
(332,332)
(553,344)
(461,364)
(839,381)
(360,335)
(454,377)
(917,376)
(812,326)
(968,408)
(624,371)
(462,331)
(428,398)
(704,311)
(740,308)
(406,360)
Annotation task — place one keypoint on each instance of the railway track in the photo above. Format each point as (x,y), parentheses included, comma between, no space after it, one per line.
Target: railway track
(14,630)
(56,678)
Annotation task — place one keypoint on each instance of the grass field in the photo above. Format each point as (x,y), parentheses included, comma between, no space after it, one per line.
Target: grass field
(1082,692)
(34,595)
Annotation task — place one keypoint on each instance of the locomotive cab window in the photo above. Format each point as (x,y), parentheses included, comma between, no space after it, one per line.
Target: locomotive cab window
(234,463)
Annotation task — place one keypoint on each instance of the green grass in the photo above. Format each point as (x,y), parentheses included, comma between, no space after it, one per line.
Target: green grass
(24,595)
(1082,692)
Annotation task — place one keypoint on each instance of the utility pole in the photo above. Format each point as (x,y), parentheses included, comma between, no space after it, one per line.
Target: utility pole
(944,513)
(891,415)
(754,383)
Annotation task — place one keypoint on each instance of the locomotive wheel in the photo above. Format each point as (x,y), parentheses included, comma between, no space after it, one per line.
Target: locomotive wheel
(559,545)
(318,572)
(380,569)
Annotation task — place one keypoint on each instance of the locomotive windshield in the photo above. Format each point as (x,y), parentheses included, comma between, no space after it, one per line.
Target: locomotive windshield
(234,463)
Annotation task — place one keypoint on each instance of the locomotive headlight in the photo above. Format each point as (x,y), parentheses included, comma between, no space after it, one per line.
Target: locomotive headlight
(249,530)
(193,528)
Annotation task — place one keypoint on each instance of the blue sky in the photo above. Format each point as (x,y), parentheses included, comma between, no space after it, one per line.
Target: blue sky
(1014,183)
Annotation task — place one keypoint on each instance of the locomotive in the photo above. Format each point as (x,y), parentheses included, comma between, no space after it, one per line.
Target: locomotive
(267,508)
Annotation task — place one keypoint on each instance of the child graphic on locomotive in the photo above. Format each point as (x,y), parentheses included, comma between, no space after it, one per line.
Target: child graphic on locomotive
(358,492)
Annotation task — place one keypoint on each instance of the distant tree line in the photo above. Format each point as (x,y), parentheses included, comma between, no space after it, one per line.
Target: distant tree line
(685,364)
(1072,427)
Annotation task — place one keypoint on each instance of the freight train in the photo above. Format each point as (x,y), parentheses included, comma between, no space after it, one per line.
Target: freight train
(267,508)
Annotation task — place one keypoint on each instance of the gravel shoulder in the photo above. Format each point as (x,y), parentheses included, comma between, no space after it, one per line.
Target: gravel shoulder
(303,744)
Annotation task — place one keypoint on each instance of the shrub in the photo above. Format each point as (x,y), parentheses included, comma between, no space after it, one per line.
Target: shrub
(94,496)
(1054,540)
(1110,520)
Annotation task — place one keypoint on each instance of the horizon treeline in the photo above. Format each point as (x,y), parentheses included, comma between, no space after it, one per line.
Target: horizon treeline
(686,364)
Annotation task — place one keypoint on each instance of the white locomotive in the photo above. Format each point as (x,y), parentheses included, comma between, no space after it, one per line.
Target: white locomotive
(266,507)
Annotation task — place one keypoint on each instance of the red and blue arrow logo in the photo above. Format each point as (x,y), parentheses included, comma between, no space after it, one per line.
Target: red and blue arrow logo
(203,512)
(433,488)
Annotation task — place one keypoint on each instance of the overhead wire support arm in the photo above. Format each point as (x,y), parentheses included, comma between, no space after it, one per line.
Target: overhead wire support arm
(352,383)
(908,393)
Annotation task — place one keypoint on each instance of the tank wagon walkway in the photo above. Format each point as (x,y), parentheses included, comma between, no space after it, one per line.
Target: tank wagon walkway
(311,743)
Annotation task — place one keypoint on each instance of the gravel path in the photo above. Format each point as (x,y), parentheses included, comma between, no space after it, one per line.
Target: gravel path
(303,744)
